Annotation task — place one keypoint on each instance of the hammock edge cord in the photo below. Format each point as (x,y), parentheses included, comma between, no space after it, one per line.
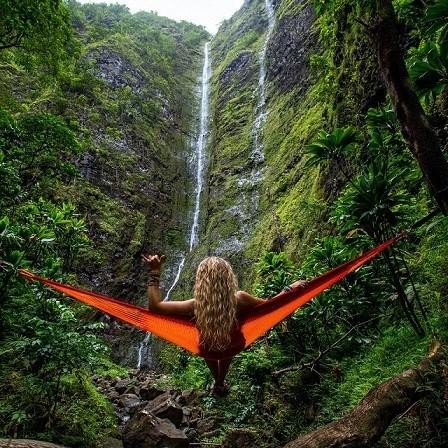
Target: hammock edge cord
(183,332)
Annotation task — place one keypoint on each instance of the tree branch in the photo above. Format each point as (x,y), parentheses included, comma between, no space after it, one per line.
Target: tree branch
(415,127)
(310,365)
(367,422)
(367,26)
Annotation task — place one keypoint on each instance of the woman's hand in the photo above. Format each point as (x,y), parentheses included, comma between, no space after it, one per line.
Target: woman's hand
(155,262)
(300,284)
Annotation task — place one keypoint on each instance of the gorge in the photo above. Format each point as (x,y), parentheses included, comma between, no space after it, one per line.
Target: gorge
(274,144)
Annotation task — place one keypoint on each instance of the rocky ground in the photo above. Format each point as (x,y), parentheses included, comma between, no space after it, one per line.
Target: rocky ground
(150,417)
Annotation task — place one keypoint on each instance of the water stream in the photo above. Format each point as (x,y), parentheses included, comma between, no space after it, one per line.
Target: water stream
(199,154)
(144,349)
(247,207)
(257,155)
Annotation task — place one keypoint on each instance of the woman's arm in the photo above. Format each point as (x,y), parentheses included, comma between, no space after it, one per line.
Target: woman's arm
(246,301)
(298,284)
(155,303)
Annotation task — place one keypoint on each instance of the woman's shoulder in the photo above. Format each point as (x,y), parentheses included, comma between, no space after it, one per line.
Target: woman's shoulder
(246,300)
(241,295)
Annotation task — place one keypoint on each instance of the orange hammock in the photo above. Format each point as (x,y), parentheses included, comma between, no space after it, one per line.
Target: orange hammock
(183,332)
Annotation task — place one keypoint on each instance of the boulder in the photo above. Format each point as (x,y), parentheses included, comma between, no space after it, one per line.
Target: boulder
(188,397)
(113,395)
(206,425)
(149,392)
(196,413)
(160,399)
(133,389)
(145,430)
(164,406)
(186,411)
(122,385)
(128,401)
(137,407)
(240,438)
(192,434)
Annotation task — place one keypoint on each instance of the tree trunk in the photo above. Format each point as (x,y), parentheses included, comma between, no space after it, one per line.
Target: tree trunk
(25,443)
(415,127)
(368,421)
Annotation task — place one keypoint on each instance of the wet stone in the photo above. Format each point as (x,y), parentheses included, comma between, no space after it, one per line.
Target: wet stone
(127,401)
(164,406)
(149,392)
(145,430)
(122,385)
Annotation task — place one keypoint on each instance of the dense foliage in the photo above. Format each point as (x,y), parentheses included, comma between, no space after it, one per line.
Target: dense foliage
(40,31)
(60,106)
(46,349)
(96,112)
(337,143)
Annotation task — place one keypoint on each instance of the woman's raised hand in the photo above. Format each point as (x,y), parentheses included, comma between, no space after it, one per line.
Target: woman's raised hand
(300,284)
(155,262)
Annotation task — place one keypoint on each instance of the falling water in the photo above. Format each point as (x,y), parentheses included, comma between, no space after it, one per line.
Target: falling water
(257,154)
(247,206)
(143,347)
(199,183)
(200,161)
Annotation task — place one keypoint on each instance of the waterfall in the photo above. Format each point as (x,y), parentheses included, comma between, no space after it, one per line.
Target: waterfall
(199,159)
(200,162)
(257,155)
(144,346)
(246,208)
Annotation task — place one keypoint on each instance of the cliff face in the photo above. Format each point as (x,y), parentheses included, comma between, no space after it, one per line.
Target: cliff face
(138,195)
(129,91)
(139,113)
(282,209)
(247,198)
(128,88)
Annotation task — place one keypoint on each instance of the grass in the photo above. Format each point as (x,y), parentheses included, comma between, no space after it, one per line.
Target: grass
(396,350)
(109,368)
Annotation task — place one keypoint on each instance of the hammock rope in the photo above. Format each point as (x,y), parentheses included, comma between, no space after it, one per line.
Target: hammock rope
(182,330)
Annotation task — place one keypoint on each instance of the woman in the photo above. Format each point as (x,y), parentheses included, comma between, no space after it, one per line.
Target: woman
(216,308)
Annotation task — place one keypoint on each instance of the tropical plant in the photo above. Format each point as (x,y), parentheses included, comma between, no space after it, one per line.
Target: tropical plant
(437,19)
(37,151)
(428,69)
(333,146)
(327,253)
(348,302)
(274,272)
(383,118)
(54,343)
(41,337)
(373,201)
(374,204)
(40,30)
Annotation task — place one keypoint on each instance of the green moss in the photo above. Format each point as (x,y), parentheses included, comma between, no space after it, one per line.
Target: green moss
(109,368)
(396,350)
(289,8)
(431,259)
(86,421)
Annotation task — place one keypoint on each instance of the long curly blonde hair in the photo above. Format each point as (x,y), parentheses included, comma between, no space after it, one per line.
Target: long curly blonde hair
(215,303)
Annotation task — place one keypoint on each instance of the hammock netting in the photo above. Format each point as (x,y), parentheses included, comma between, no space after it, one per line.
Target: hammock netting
(183,332)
